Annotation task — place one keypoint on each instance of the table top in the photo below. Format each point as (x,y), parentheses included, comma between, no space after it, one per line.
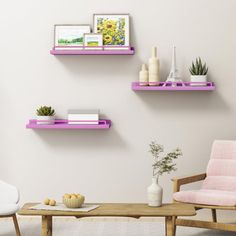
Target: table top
(118,209)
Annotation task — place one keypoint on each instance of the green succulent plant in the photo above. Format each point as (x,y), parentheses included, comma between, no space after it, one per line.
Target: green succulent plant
(45,111)
(198,68)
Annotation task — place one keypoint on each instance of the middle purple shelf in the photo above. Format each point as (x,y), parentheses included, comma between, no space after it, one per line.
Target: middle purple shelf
(179,86)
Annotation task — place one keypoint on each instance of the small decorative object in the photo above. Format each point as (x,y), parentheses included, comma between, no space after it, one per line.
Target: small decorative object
(93,41)
(70,36)
(198,72)
(114,28)
(46,201)
(143,76)
(160,166)
(174,75)
(45,116)
(50,202)
(73,200)
(154,68)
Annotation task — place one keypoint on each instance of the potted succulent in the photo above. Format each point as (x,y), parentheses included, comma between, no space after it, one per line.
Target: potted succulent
(198,72)
(45,115)
(161,165)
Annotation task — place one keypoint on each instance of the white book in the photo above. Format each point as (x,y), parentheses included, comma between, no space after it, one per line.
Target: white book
(83,115)
(83,122)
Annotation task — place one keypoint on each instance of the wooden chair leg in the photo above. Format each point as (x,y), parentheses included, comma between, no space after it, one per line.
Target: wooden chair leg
(16,225)
(214,216)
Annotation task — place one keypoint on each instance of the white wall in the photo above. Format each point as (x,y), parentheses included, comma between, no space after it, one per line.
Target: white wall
(112,165)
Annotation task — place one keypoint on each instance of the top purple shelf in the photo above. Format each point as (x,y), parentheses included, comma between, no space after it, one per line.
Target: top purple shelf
(179,86)
(88,51)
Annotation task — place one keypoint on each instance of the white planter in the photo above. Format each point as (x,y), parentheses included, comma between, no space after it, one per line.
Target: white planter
(45,120)
(154,194)
(198,78)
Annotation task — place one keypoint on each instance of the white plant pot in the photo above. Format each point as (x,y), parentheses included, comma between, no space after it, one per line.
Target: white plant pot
(198,78)
(154,194)
(45,120)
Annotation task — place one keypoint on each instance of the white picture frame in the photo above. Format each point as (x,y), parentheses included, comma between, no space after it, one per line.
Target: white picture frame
(70,35)
(93,41)
(113,26)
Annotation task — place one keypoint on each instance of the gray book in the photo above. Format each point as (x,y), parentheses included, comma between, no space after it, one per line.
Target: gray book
(83,111)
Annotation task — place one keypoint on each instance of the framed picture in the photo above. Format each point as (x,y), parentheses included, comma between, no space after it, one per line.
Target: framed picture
(93,41)
(114,28)
(70,35)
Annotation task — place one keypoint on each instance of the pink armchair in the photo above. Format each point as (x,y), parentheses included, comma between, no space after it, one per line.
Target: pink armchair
(218,190)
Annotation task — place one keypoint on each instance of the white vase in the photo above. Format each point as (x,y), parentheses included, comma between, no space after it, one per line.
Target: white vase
(45,120)
(154,69)
(154,193)
(143,76)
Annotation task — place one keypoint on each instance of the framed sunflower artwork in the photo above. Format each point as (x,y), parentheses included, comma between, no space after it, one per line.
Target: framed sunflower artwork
(114,28)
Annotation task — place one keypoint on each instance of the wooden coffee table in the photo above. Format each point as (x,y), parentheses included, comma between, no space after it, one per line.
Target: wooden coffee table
(169,211)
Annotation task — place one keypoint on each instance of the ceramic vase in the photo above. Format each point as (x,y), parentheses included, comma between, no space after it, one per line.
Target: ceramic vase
(198,78)
(154,193)
(143,76)
(45,120)
(154,68)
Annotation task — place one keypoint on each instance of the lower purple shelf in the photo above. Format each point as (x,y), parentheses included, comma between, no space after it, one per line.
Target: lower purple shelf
(129,51)
(179,86)
(63,124)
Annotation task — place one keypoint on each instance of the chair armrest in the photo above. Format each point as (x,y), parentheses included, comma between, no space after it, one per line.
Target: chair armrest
(179,181)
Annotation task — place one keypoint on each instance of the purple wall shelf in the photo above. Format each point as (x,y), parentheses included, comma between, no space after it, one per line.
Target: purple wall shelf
(180,86)
(63,124)
(129,51)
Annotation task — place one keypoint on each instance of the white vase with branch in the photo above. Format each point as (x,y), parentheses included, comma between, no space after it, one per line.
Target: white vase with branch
(161,164)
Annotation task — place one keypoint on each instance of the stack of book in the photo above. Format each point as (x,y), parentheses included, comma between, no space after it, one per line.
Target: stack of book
(83,117)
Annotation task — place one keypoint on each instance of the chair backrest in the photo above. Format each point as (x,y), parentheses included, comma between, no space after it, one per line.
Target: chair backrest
(221,169)
(8,193)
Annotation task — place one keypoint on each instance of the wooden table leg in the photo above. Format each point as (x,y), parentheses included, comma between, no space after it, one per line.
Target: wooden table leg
(46,225)
(174,224)
(169,226)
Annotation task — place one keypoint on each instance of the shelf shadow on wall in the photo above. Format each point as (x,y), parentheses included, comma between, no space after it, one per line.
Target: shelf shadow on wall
(96,65)
(182,100)
(95,139)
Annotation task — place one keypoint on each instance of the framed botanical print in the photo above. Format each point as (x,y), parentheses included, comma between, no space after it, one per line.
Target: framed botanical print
(70,35)
(114,28)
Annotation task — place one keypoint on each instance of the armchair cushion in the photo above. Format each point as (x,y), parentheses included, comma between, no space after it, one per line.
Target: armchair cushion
(8,209)
(207,197)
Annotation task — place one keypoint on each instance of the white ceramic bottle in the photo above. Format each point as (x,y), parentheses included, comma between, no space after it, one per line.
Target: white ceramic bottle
(154,194)
(154,68)
(143,76)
